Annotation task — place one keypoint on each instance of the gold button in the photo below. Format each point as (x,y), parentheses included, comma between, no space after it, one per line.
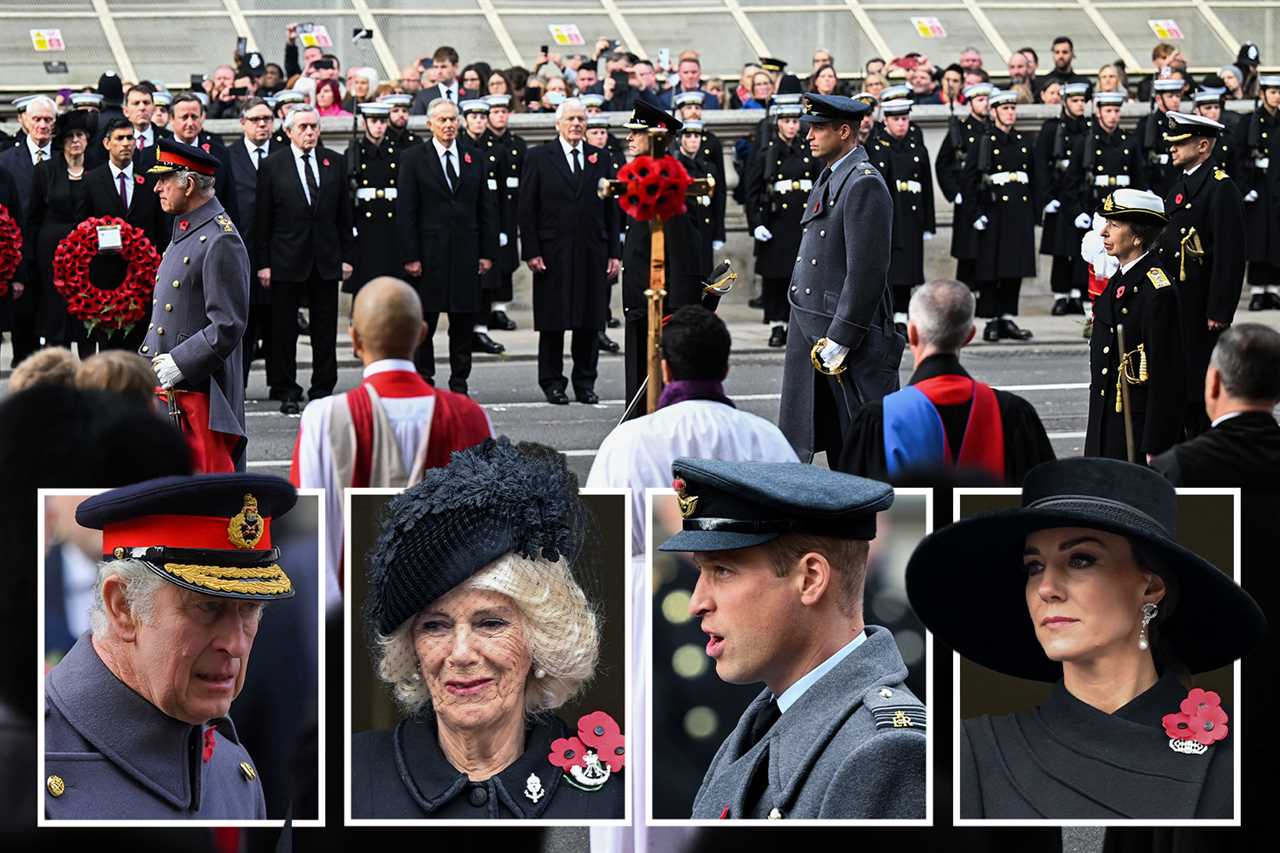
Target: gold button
(814,262)
(55,785)
(364,182)
(118,553)
(1004,198)
(247,770)
(393,165)
(145,348)
(168,307)
(390,215)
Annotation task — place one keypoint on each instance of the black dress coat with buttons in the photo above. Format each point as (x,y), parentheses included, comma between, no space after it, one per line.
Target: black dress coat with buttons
(1208,286)
(403,773)
(1007,246)
(1160,171)
(1145,300)
(504,158)
(1056,143)
(707,216)
(905,163)
(950,166)
(377,250)
(1114,157)
(1258,169)
(1069,760)
(779,210)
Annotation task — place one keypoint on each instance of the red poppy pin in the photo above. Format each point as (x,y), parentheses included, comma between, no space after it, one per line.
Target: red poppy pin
(208,744)
(596,753)
(466,158)
(1199,723)
(138,179)
(592,158)
(205,146)
(1177,199)
(724,815)
(1119,291)
(325,162)
(183,225)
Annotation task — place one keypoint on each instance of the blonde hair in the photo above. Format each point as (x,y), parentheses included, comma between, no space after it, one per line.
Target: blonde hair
(120,371)
(49,366)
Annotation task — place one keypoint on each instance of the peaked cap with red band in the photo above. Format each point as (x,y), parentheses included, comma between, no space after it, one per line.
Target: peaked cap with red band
(209,533)
(174,156)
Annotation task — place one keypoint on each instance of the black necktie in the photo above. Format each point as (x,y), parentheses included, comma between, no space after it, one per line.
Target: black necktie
(449,171)
(764,721)
(577,163)
(313,189)
(260,154)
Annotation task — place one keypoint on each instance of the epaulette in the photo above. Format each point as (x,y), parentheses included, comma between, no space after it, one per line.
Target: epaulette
(1158,278)
(895,709)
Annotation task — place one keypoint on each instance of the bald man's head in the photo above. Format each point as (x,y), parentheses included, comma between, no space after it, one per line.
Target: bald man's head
(386,321)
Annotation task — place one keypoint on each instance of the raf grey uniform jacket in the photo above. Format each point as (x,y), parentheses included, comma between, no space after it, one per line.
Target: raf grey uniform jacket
(840,290)
(200,312)
(111,754)
(852,746)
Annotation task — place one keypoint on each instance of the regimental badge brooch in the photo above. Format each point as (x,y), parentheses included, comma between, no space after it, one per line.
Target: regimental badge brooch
(246,527)
(1199,723)
(688,503)
(598,751)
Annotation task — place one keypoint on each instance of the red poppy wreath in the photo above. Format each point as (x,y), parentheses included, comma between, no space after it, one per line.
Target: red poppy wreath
(10,249)
(118,309)
(654,188)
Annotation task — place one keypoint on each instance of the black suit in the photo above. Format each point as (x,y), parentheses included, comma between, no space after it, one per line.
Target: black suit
(17,162)
(304,245)
(575,232)
(448,231)
(426,95)
(244,174)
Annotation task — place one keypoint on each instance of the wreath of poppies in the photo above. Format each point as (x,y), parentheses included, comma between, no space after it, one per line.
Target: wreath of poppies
(117,309)
(10,249)
(654,188)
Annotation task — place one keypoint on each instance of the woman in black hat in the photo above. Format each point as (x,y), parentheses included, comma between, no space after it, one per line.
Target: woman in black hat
(1146,383)
(57,206)
(1085,586)
(481,628)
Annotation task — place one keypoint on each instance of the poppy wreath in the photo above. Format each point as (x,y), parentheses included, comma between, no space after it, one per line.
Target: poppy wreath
(116,309)
(655,188)
(10,249)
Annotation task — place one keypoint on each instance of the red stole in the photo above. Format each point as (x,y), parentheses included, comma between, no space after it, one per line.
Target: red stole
(983,444)
(388,384)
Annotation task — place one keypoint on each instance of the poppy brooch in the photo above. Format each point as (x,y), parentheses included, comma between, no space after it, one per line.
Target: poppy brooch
(207,752)
(1199,723)
(138,179)
(183,225)
(205,146)
(592,158)
(325,162)
(1177,199)
(596,753)
(1120,291)
(466,158)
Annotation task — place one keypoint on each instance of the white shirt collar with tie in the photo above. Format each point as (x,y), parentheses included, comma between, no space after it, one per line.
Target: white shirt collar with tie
(146,138)
(301,166)
(568,149)
(253,147)
(32,148)
(127,172)
(453,150)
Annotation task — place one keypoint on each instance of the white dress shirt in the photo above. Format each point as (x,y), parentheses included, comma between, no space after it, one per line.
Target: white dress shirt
(450,90)
(252,148)
(457,163)
(32,148)
(127,171)
(302,175)
(568,154)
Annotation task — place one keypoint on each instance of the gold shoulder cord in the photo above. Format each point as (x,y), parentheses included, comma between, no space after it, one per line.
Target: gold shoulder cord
(1125,372)
(1190,245)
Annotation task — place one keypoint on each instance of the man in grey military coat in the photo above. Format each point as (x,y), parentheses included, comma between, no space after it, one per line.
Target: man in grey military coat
(201,306)
(781,551)
(843,349)
(136,724)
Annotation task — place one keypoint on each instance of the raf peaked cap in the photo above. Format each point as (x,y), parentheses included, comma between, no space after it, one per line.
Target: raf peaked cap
(1183,126)
(967,582)
(173,156)
(209,533)
(491,499)
(729,505)
(821,109)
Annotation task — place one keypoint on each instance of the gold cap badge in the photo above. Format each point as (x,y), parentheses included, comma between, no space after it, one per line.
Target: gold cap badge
(688,504)
(246,527)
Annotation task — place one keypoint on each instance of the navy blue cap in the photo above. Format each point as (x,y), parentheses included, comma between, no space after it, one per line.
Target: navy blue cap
(730,505)
(173,156)
(209,533)
(645,116)
(820,109)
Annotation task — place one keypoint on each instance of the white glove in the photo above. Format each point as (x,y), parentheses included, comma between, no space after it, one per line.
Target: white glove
(717,245)
(166,370)
(981,224)
(959,199)
(928,235)
(764,235)
(1084,221)
(833,354)
(503,239)
(1052,207)
(1251,197)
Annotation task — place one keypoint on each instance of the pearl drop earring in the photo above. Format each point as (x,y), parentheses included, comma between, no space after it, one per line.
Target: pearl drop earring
(1149,612)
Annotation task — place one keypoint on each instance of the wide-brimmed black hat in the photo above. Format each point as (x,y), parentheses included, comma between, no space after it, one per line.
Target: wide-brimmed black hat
(490,500)
(71,121)
(967,583)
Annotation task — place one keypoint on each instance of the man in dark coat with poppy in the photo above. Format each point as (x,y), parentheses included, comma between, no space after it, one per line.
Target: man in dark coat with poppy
(570,241)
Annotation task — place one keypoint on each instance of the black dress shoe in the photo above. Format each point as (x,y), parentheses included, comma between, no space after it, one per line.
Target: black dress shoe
(778,337)
(481,342)
(756,302)
(290,407)
(304,325)
(500,320)
(587,396)
(1012,331)
(900,328)
(991,332)
(1259,302)
(1061,307)
(606,344)
(279,394)
(1273,300)
(614,322)
(459,388)
(556,397)
(1077,306)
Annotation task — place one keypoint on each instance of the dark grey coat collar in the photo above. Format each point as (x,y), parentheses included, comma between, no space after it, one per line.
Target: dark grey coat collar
(160,753)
